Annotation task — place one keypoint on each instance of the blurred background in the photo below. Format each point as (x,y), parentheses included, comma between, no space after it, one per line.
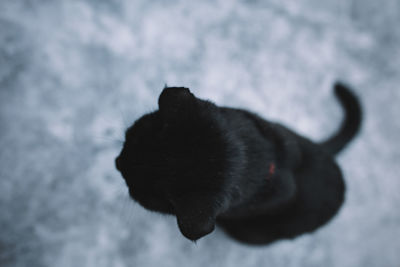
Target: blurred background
(75,74)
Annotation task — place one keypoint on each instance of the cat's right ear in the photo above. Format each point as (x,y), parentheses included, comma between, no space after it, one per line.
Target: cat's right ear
(176,101)
(196,216)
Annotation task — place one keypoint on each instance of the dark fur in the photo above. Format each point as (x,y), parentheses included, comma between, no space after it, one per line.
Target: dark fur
(208,164)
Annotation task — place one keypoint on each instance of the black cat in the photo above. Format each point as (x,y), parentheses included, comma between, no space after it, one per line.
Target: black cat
(256,179)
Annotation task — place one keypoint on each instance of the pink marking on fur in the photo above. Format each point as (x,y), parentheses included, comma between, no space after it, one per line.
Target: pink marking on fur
(271,170)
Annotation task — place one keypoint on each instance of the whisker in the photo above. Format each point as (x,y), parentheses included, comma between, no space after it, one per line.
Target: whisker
(109,141)
(119,108)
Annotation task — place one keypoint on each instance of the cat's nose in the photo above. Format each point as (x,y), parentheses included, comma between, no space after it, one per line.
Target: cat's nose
(118,163)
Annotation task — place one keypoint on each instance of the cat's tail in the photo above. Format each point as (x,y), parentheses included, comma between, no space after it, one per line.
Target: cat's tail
(351,123)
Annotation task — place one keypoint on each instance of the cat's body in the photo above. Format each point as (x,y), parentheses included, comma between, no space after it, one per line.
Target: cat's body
(258,180)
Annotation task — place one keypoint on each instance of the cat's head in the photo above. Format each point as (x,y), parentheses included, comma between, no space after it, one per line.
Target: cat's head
(174,161)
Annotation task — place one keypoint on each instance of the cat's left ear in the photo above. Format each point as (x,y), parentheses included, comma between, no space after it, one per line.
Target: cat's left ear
(196,216)
(174,101)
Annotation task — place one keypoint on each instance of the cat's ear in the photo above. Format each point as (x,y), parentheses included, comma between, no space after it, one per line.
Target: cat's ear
(196,216)
(174,101)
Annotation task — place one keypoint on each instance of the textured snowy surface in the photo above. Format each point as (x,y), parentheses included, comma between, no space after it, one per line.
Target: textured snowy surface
(74,74)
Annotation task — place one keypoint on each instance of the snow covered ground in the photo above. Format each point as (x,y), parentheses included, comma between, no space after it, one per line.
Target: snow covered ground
(74,74)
